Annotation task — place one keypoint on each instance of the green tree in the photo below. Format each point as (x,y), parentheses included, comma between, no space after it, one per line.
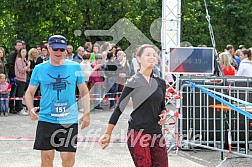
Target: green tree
(35,20)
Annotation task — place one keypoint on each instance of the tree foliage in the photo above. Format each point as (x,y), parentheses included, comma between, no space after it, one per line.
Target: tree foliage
(228,18)
(35,20)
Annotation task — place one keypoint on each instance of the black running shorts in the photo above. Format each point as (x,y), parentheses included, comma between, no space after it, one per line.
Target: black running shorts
(62,138)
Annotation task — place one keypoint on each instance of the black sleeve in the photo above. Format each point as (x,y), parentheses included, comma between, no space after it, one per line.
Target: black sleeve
(123,101)
(163,85)
(39,60)
(11,62)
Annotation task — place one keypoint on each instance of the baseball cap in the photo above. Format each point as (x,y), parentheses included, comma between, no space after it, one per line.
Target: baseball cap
(57,42)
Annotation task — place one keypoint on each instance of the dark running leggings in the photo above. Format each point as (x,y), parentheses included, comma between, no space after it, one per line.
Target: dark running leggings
(147,150)
(19,93)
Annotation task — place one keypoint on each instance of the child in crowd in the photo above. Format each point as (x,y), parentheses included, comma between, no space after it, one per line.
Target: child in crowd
(4,92)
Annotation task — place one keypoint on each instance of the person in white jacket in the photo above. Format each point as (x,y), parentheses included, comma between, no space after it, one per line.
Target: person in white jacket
(245,65)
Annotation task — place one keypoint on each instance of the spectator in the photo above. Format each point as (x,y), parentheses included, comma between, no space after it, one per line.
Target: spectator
(11,72)
(88,49)
(135,64)
(230,52)
(39,50)
(106,47)
(79,56)
(242,47)
(104,91)
(238,54)
(245,65)
(4,93)
(96,48)
(24,44)
(21,68)
(111,73)
(113,50)
(3,69)
(104,57)
(86,67)
(33,57)
(96,80)
(225,64)
(124,72)
(70,54)
(244,54)
(44,55)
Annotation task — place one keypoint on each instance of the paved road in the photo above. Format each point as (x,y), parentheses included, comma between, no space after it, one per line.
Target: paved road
(17,137)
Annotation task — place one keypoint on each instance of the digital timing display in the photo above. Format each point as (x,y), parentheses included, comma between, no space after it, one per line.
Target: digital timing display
(191,60)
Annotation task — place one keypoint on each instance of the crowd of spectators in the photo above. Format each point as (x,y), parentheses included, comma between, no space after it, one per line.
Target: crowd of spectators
(236,63)
(105,67)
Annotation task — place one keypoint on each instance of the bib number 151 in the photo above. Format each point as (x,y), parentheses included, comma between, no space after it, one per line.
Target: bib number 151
(60,109)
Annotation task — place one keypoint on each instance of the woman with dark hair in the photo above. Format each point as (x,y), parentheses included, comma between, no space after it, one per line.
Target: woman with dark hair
(86,68)
(145,140)
(111,74)
(44,55)
(245,65)
(3,69)
(22,66)
(96,80)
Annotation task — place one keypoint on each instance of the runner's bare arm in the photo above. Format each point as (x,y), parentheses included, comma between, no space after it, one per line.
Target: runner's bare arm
(85,104)
(29,101)
(105,139)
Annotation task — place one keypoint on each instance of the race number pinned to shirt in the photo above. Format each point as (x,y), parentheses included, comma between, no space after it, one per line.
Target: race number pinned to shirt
(60,109)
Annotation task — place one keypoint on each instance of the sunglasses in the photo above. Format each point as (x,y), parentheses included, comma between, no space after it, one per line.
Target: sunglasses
(56,49)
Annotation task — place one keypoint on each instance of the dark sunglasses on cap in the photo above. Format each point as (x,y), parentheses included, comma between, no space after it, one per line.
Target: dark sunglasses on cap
(56,49)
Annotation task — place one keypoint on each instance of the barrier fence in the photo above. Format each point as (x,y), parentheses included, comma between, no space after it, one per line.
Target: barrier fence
(213,117)
(91,98)
(170,96)
(38,98)
(209,121)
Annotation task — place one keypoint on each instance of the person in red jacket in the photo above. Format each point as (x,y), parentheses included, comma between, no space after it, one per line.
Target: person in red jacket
(226,66)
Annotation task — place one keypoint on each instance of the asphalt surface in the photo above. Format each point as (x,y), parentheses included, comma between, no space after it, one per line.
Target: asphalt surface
(17,138)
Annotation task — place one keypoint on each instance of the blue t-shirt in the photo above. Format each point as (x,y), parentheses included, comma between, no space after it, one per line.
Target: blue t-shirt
(57,85)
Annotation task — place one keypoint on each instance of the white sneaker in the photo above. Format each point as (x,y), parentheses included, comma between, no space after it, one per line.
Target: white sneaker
(23,112)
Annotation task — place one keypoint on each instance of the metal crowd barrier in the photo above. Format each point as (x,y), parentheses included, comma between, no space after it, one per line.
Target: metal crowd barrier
(205,122)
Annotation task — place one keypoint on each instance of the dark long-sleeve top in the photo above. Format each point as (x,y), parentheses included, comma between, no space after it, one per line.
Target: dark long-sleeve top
(148,102)
(42,58)
(11,63)
(111,69)
(3,69)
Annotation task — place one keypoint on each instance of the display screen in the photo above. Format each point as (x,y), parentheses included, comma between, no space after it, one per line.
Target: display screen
(191,60)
